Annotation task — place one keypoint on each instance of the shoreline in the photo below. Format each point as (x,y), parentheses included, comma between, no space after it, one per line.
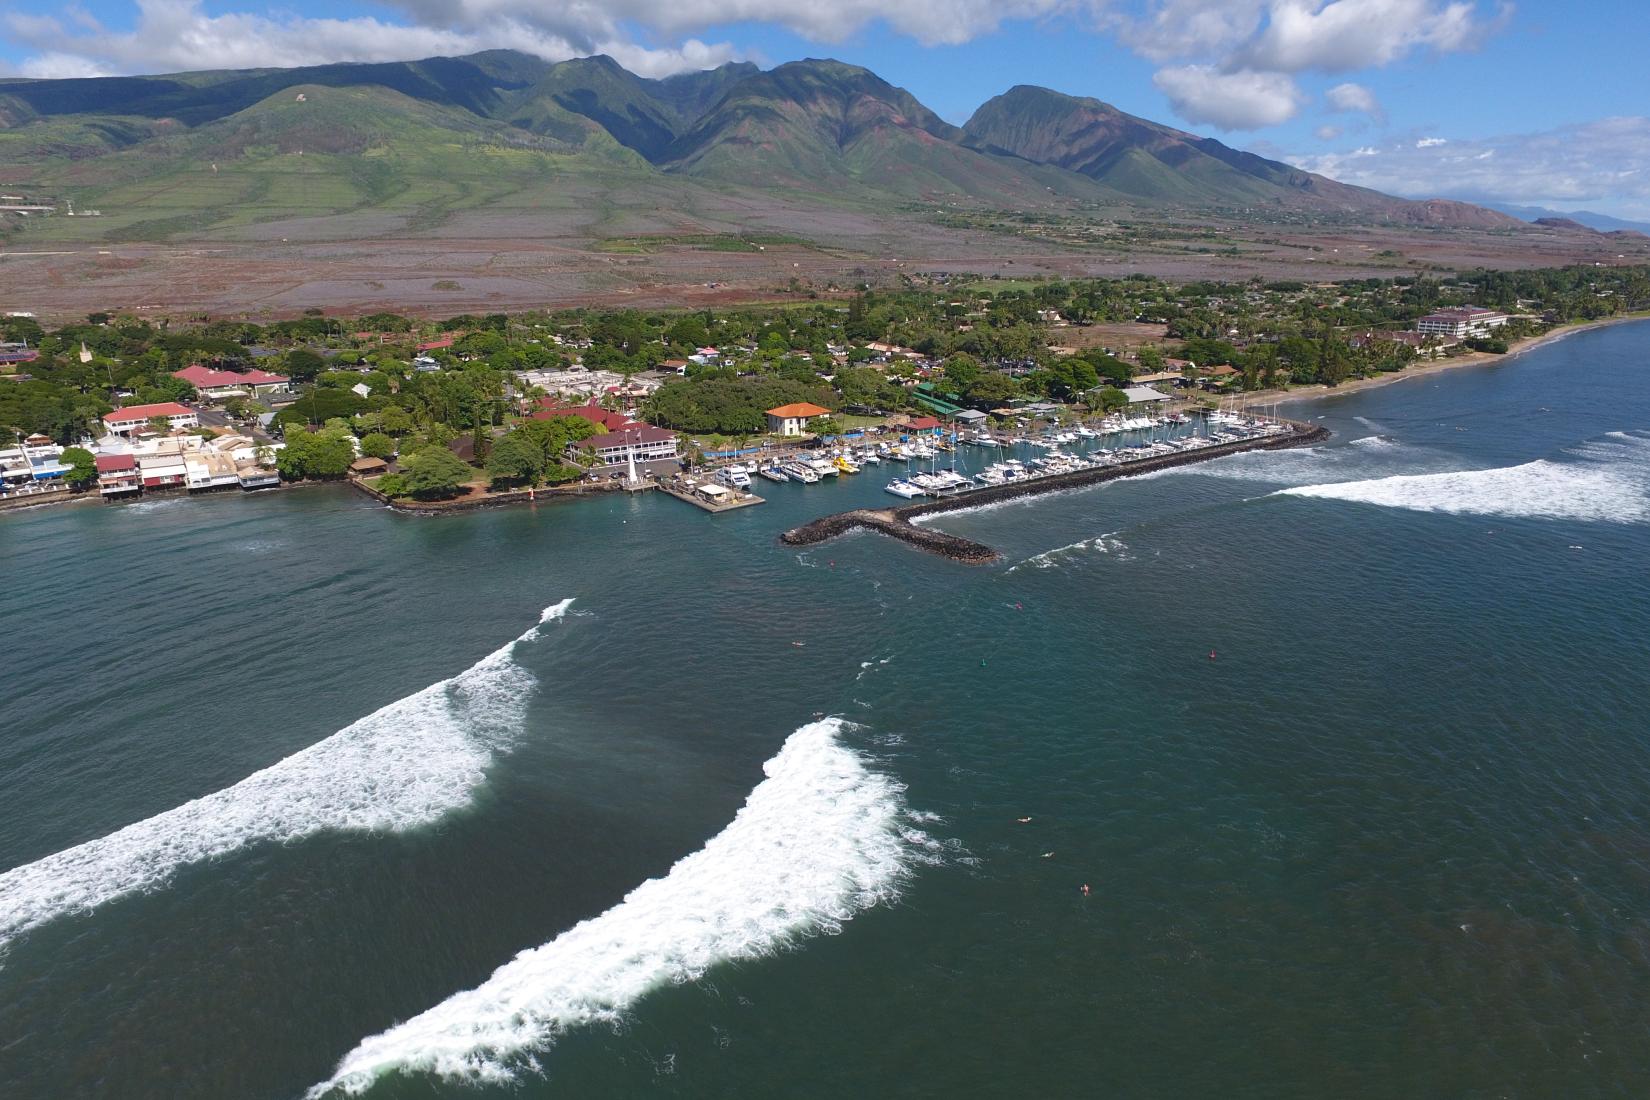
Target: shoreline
(1319,390)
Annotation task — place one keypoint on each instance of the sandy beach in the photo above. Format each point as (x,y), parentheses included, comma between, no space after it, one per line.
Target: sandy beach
(1421,370)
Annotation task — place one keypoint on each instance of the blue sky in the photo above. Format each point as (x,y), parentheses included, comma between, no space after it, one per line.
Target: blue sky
(1542,102)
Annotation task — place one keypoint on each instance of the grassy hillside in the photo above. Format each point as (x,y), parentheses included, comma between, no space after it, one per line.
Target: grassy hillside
(311,152)
(1164,166)
(826,126)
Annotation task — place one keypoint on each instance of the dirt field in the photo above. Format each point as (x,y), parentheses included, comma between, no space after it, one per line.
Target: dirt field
(493,260)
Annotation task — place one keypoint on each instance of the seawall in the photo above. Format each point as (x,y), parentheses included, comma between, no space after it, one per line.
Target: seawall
(896,522)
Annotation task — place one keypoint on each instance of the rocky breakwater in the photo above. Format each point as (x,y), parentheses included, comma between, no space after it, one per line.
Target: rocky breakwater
(890,522)
(896,522)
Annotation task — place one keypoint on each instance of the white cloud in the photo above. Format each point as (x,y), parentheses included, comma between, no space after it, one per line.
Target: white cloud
(1327,133)
(1230,101)
(1228,63)
(1353,99)
(1604,164)
(930,22)
(1356,34)
(1176,29)
(176,35)
(1248,40)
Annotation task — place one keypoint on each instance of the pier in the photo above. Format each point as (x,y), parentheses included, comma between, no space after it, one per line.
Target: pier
(730,500)
(896,522)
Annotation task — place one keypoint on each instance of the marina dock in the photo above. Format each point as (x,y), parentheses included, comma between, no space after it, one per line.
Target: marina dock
(897,522)
(730,501)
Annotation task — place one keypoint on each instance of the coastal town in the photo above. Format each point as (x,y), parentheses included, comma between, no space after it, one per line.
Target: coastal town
(481,410)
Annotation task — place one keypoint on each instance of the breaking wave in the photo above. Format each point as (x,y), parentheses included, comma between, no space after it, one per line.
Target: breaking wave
(822,838)
(1609,481)
(400,767)
(1108,543)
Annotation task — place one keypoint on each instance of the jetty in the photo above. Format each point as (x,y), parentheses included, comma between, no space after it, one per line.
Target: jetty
(897,522)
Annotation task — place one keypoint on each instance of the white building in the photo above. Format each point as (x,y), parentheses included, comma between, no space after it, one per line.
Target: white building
(574,383)
(648,444)
(792,420)
(1461,322)
(209,470)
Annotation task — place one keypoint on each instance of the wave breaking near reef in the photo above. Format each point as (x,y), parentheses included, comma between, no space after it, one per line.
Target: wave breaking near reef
(405,765)
(822,838)
(1603,481)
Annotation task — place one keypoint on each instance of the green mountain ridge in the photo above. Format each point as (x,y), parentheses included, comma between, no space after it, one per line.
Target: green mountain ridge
(1153,162)
(823,129)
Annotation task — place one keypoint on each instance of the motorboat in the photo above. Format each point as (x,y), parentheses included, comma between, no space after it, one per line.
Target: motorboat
(801,472)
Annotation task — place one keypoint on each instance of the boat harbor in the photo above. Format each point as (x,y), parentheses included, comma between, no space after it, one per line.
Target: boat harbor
(1072,472)
(938,465)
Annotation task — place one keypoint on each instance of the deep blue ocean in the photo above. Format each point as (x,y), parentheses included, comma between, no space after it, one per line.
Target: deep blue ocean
(299,795)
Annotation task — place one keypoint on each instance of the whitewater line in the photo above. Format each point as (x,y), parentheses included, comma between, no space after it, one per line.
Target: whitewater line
(1610,484)
(407,764)
(822,838)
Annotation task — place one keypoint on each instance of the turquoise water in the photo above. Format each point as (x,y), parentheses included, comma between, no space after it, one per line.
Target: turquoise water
(1393,840)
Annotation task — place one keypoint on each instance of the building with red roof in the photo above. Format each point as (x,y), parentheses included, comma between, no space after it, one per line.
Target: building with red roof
(118,474)
(136,417)
(793,419)
(438,345)
(645,442)
(602,418)
(227,383)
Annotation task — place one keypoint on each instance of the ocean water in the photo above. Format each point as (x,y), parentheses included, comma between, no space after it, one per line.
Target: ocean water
(1350,744)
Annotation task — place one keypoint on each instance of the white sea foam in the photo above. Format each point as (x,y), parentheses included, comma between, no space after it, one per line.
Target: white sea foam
(820,839)
(402,766)
(1372,442)
(1108,543)
(1609,481)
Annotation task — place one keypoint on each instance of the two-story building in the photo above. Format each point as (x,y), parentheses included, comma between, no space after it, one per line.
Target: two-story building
(792,420)
(117,475)
(646,443)
(164,467)
(135,418)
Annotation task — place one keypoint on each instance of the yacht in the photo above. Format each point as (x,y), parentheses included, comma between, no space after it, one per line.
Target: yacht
(799,472)
(734,477)
(900,487)
(774,473)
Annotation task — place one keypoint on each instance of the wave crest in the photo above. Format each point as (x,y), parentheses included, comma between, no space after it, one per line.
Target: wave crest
(404,765)
(822,838)
(1610,482)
